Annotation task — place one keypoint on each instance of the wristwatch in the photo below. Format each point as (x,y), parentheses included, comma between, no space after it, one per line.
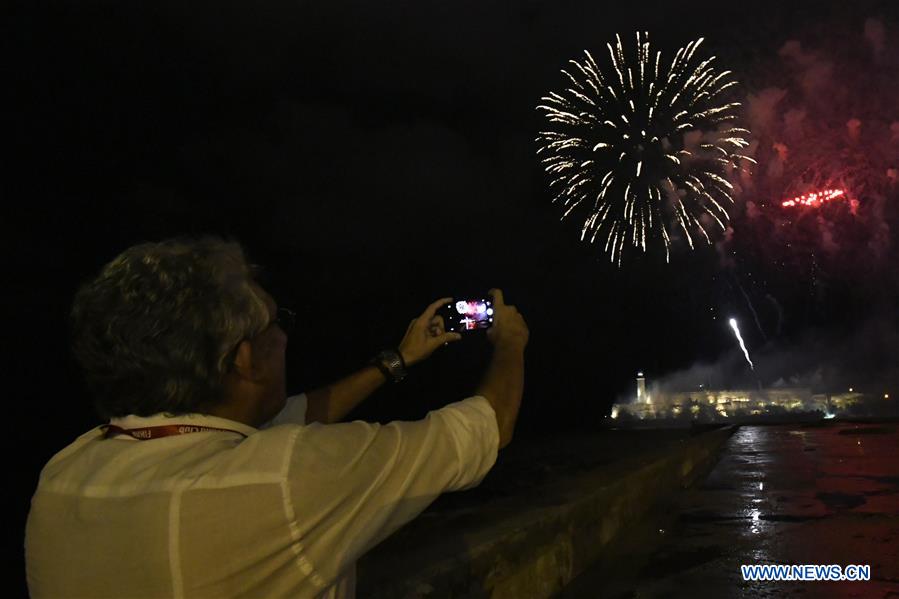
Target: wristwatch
(391,365)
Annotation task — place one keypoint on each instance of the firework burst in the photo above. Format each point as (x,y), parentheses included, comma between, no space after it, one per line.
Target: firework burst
(814,199)
(646,149)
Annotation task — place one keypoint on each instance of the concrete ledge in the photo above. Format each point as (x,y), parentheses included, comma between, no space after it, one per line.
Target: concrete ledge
(532,547)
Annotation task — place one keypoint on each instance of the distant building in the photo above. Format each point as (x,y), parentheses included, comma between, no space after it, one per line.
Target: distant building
(721,405)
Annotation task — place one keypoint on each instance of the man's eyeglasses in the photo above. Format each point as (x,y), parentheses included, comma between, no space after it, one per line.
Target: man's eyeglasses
(286,319)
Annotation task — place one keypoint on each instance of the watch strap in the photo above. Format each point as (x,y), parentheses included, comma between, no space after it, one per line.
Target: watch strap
(391,364)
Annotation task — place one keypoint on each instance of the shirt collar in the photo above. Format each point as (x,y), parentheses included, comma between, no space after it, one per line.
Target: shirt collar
(162,419)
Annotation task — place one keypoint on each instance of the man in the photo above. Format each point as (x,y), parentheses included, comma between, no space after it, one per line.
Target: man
(208,481)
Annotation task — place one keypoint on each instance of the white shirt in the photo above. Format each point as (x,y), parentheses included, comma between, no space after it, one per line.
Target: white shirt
(286,511)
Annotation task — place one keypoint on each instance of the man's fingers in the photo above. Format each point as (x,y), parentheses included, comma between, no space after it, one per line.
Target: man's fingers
(436,327)
(429,312)
(448,338)
(497,295)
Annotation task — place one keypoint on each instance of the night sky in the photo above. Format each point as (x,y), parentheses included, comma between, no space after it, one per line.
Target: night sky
(375,157)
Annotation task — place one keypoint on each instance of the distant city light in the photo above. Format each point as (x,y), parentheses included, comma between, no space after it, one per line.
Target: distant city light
(850,389)
(717,405)
(886,395)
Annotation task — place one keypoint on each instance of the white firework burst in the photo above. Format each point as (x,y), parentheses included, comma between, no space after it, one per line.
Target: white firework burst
(644,148)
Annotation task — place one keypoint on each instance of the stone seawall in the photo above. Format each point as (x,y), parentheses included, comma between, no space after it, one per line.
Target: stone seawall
(531,547)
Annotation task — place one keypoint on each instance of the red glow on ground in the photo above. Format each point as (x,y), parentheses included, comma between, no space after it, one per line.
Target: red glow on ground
(815,198)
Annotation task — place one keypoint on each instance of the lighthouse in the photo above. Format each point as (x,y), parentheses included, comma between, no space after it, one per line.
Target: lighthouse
(642,396)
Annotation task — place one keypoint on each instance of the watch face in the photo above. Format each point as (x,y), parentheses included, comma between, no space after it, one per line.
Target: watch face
(394,364)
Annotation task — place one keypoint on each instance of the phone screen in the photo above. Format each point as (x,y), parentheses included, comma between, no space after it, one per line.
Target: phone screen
(468,315)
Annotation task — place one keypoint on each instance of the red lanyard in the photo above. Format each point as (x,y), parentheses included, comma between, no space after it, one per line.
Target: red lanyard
(156,432)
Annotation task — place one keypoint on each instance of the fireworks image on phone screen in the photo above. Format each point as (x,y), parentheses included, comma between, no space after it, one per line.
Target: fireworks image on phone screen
(470,315)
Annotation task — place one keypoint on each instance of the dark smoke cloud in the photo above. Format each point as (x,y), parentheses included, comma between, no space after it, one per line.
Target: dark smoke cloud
(825,360)
(831,124)
(820,284)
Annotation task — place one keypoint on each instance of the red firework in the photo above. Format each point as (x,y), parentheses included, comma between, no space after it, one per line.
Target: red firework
(815,198)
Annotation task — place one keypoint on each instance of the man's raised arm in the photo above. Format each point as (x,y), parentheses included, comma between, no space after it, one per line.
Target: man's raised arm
(423,336)
(503,383)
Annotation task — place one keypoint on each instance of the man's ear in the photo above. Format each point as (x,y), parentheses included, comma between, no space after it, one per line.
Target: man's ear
(243,360)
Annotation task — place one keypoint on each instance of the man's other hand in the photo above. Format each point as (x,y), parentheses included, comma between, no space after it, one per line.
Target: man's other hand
(509,328)
(425,334)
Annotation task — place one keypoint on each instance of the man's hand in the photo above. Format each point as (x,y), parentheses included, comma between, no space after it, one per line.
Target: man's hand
(425,334)
(509,328)
(503,383)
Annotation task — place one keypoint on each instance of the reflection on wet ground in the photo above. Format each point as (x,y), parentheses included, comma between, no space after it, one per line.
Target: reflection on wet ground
(825,494)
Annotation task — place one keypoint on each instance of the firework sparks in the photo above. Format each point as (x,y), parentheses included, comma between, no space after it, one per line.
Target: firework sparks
(733,325)
(815,198)
(646,149)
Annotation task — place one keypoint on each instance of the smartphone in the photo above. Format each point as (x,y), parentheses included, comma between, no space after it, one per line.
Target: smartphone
(465,315)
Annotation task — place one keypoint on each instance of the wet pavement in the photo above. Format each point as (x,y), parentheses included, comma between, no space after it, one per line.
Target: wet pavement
(824,494)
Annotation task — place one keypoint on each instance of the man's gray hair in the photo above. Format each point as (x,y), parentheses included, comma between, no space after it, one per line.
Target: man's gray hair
(155,331)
